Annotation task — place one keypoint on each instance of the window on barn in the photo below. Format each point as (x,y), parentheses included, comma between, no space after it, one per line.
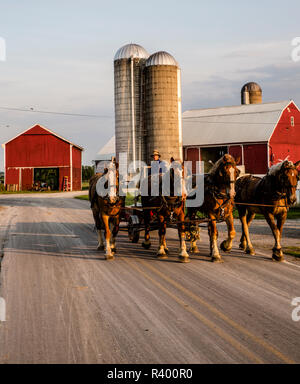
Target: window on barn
(292,121)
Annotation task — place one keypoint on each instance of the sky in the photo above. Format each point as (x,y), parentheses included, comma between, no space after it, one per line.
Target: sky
(59,57)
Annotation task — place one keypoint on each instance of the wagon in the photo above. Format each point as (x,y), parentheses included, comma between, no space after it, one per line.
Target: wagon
(133,223)
(133,218)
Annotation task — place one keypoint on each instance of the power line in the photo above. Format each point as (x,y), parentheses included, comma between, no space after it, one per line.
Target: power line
(187,119)
(56,113)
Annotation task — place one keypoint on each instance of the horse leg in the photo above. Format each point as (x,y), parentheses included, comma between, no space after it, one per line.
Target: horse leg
(226,246)
(161,254)
(280,223)
(109,254)
(166,247)
(96,214)
(213,236)
(250,218)
(243,242)
(193,231)
(194,246)
(101,246)
(249,247)
(194,236)
(183,255)
(147,243)
(277,251)
(114,234)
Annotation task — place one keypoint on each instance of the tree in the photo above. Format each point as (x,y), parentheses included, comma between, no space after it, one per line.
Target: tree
(87,172)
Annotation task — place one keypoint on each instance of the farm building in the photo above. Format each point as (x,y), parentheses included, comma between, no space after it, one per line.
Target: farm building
(39,156)
(258,134)
(107,152)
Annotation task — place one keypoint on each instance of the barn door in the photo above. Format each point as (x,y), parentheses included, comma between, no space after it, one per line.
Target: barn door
(48,176)
(193,155)
(256,159)
(27,180)
(236,151)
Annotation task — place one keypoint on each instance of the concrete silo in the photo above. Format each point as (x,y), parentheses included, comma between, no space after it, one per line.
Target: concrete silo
(129,63)
(163,119)
(251,94)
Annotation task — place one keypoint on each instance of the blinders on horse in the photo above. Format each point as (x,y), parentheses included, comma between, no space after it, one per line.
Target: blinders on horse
(232,164)
(284,179)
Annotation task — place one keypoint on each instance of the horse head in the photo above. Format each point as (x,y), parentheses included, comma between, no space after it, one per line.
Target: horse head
(108,183)
(225,174)
(286,176)
(177,178)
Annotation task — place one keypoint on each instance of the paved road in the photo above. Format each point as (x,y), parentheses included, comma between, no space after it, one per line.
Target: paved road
(65,304)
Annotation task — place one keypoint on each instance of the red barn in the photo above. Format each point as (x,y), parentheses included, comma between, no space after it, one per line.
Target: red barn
(259,134)
(41,156)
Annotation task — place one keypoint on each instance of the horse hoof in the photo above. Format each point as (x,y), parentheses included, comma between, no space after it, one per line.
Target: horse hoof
(243,247)
(278,259)
(101,248)
(217,260)
(278,255)
(110,257)
(250,251)
(161,252)
(162,257)
(225,248)
(194,250)
(184,259)
(146,246)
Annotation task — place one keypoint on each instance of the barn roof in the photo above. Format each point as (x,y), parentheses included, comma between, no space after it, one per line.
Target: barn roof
(108,151)
(39,130)
(229,125)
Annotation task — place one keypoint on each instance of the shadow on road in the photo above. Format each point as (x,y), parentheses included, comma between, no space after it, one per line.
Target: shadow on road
(79,241)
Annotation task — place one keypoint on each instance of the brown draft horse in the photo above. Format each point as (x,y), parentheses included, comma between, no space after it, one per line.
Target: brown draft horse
(106,208)
(275,192)
(166,207)
(219,193)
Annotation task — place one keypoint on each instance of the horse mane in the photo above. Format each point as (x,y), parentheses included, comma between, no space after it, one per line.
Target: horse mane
(277,167)
(216,166)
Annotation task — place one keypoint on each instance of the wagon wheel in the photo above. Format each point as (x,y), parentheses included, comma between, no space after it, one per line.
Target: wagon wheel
(134,229)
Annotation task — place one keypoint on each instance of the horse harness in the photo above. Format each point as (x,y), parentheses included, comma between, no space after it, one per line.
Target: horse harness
(276,195)
(219,195)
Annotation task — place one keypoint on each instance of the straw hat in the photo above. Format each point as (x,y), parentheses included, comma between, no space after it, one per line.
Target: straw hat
(155,153)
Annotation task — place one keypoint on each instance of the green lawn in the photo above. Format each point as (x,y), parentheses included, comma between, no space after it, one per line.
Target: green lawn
(84,197)
(294,213)
(129,199)
(85,185)
(25,192)
(292,251)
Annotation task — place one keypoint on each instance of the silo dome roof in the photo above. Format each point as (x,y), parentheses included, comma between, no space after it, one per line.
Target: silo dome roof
(161,58)
(131,50)
(251,87)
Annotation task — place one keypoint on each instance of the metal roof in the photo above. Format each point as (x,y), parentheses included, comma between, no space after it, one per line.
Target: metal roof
(228,125)
(131,50)
(108,151)
(252,87)
(161,58)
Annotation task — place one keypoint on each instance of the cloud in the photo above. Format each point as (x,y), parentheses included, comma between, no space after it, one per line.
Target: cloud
(278,83)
